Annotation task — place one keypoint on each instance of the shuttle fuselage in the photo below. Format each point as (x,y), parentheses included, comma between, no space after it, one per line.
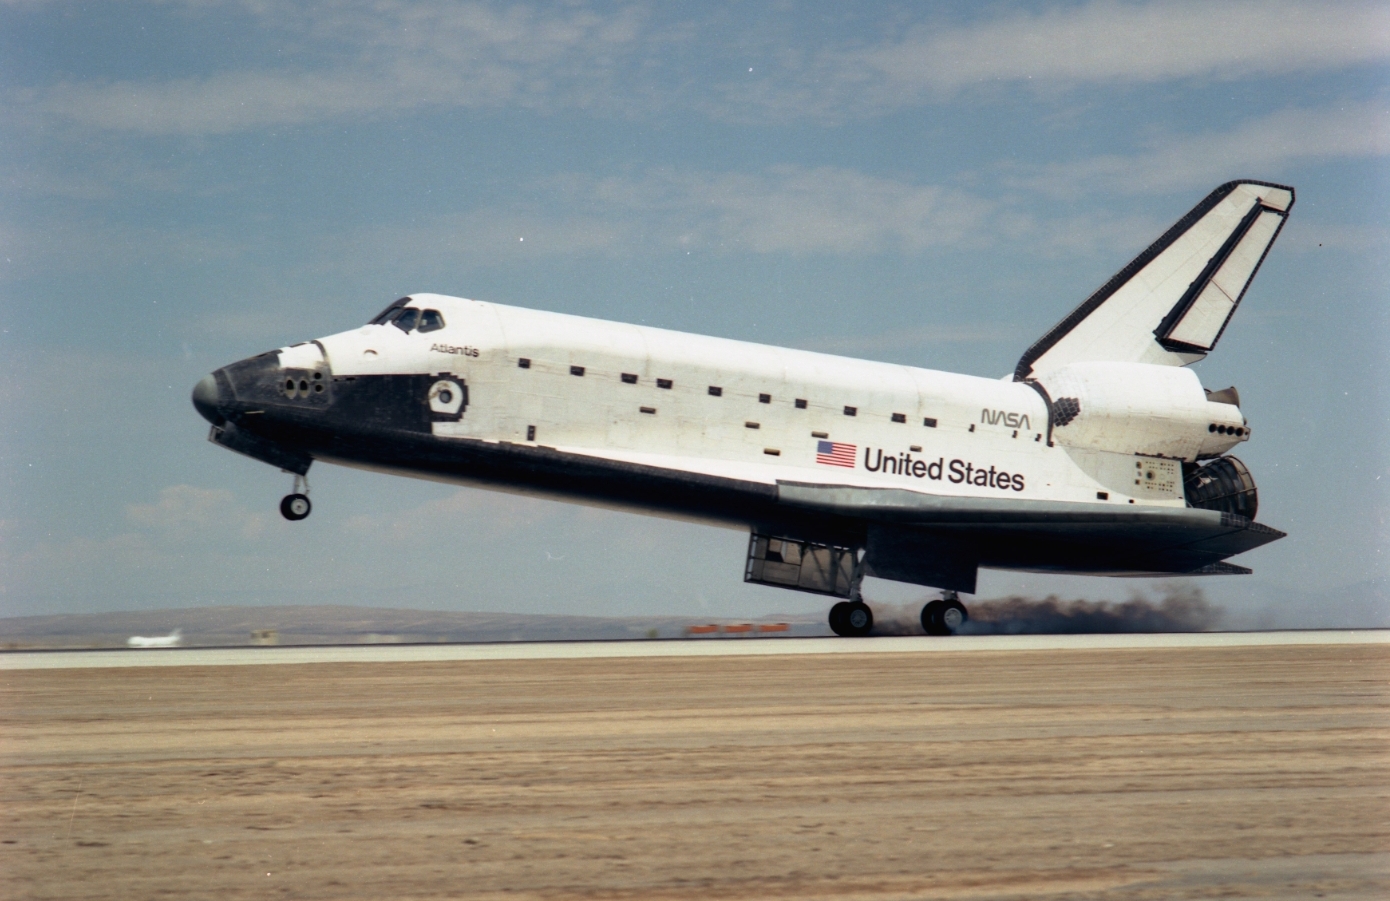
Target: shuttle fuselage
(730,409)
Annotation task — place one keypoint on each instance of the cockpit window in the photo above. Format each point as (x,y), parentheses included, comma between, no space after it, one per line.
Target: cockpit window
(431,321)
(385,315)
(408,319)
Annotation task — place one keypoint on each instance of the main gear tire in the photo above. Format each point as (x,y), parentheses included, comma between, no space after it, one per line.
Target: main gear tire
(837,619)
(943,617)
(859,619)
(931,618)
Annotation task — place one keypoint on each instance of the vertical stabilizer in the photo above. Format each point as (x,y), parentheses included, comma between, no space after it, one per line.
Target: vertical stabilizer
(1171,304)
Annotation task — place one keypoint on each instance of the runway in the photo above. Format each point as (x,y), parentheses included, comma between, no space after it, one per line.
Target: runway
(699,647)
(892,769)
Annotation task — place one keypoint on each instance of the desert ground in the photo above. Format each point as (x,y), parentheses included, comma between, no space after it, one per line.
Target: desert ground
(1246,772)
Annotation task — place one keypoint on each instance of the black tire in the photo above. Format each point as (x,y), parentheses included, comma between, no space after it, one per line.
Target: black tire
(295,507)
(931,618)
(859,619)
(837,619)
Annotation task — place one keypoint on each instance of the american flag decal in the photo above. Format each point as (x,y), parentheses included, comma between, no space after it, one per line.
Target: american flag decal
(834,453)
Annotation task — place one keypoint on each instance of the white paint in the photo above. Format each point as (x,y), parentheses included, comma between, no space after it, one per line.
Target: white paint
(1141,408)
(305,355)
(598,414)
(1122,328)
(1202,324)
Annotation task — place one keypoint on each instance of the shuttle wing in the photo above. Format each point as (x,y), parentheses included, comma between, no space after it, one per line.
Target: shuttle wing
(1171,304)
(941,541)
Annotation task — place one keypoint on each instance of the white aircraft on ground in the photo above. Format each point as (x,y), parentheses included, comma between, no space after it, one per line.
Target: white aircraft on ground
(172,640)
(1100,454)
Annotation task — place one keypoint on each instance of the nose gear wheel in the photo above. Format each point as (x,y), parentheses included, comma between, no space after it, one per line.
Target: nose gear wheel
(296,506)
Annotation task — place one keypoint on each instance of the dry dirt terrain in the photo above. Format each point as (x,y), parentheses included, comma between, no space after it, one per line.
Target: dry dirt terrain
(1190,773)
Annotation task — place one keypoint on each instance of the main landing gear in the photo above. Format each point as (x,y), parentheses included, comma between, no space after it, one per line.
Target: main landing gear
(852,618)
(295,505)
(944,617)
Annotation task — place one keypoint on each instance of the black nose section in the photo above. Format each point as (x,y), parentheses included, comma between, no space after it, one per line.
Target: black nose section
(205,400)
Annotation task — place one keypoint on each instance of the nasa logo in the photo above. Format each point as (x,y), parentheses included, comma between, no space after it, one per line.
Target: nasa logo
(1011,420)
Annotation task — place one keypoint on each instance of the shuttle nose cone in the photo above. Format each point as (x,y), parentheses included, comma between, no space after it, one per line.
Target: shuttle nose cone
(205,400)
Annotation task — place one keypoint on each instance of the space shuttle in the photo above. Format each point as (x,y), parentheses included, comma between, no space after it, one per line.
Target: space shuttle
(1102,453)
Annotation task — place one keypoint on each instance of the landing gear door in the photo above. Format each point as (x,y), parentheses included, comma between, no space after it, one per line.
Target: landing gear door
(800,565)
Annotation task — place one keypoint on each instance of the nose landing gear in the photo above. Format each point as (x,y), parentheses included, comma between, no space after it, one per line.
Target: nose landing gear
(295,505)
(944,617)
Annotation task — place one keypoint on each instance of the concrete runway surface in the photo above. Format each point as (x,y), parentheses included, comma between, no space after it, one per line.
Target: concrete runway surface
(700,647)
(1248,771)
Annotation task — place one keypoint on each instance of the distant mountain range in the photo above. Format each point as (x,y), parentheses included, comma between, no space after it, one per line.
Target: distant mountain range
(1364,605)
(340,624)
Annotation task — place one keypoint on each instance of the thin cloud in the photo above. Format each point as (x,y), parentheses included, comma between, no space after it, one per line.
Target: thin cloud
(182,509)
(231,102)
(75,566)
(384,59)
(483,236)
(780,210)
(101,179)
(821,211)
(1258,148)
(1103,42)
(795,210)
(97,244)
(460,513)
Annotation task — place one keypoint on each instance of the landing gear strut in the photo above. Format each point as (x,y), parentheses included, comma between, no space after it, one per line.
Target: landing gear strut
(944,617)
(295,505)
(852,618)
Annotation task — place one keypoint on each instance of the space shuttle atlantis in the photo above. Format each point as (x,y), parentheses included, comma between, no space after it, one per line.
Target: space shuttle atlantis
(1101,454)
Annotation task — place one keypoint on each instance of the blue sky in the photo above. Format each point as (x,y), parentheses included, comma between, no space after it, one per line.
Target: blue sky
(188,183)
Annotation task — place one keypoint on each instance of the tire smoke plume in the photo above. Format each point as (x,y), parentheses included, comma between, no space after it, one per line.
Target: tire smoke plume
(1180,609)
